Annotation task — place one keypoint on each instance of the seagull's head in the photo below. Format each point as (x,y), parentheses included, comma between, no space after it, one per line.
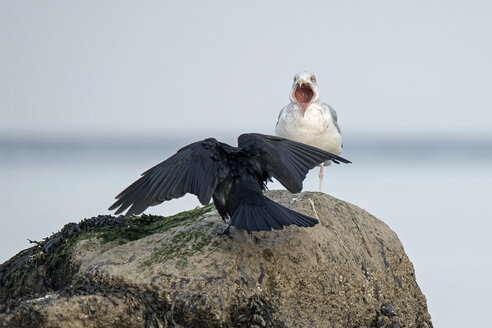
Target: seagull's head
(304,90)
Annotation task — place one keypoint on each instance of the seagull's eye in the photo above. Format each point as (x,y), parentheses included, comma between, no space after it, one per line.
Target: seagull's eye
(313,78)
(294,78)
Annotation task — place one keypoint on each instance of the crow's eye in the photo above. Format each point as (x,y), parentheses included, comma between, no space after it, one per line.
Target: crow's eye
(313,78)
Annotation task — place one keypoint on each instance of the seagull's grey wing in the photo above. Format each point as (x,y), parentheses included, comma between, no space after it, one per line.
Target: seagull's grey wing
(334,116)
(193,169)
(286,160)
(278,127)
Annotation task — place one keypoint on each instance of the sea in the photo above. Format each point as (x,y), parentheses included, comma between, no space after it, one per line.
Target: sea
(435,193)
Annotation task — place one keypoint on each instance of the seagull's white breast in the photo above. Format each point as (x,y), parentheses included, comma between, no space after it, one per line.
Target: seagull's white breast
(316,127)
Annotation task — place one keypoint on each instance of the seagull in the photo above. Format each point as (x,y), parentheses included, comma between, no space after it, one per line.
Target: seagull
(234,177)
(306,119)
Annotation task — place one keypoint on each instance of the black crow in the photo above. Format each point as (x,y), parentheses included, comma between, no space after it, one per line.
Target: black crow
(234,177)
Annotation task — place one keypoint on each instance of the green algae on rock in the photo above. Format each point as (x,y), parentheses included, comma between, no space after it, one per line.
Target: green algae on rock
(144,225)
(49,267)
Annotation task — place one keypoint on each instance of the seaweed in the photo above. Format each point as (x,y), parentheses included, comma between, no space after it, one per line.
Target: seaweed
(48,266)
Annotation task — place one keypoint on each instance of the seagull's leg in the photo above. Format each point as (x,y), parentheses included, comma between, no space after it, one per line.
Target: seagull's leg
(320,175)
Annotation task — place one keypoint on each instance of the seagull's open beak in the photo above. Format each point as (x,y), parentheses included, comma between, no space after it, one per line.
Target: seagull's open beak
(303,94)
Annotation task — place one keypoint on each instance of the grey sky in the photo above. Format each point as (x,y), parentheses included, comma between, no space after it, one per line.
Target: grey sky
(160,67)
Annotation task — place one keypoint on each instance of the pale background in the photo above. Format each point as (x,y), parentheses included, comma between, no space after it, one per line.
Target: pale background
(94,92)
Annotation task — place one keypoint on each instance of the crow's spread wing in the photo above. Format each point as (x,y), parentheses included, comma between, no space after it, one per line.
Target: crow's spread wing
(193,169)
(286,160)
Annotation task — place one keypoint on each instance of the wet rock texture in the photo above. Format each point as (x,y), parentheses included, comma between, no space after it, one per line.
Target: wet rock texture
(348,271)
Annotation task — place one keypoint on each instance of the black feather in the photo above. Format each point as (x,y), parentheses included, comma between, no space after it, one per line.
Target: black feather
(233,176)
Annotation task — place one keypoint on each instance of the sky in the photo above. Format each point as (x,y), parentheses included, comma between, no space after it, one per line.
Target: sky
(210,68)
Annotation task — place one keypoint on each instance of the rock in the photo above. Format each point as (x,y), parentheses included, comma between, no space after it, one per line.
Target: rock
(380,322)
(178,272)
(388,310)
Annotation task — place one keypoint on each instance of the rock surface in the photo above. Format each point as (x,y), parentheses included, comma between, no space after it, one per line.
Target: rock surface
(177,272)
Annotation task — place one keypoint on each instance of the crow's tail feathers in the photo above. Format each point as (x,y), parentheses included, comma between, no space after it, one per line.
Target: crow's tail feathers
(267,215)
